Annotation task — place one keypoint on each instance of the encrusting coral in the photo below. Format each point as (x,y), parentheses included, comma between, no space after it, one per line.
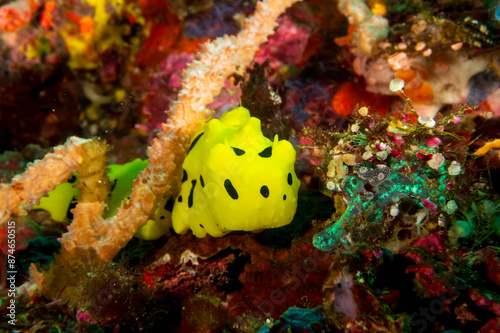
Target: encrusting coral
(203,80)
(370,26)
(404,187)
(17,13)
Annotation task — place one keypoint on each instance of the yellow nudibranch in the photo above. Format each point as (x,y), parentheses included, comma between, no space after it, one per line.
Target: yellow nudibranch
(234,179)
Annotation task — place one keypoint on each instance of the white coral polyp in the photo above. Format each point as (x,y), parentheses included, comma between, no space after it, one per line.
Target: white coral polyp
(454,168)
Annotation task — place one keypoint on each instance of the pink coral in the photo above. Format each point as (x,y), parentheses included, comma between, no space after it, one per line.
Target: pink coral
(485,301)
(22,237)
(287,274)
(433,142)
(490,256)
(162,85)
(287,44)
(17,13)
(185,278)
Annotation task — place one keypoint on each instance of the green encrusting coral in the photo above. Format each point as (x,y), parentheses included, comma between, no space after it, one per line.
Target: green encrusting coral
(414,179)
(368,192)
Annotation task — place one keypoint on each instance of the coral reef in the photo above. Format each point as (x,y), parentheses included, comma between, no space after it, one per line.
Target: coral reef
(369,25)
(382,179)
(42,176)
(391,109)
(218,60)
(17,13)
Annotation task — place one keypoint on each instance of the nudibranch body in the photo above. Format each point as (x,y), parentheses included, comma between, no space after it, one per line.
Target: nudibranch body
(234,178)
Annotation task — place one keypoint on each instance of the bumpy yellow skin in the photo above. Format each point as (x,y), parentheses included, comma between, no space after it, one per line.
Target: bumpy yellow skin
(236,179)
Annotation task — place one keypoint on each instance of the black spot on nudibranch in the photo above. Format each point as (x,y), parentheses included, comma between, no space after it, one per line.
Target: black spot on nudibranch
(195,141)
(73,179)
(112,186)
(268,152)
(184,176)
(179,198)
(72,205)
(284,196)
(169,205)
(264,190)
(230,189)
(290,179)
(201,225)
(202,182)
(238,151)
(190,198)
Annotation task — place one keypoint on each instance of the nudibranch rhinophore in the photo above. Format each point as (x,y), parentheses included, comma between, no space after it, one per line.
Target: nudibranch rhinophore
(234,178)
